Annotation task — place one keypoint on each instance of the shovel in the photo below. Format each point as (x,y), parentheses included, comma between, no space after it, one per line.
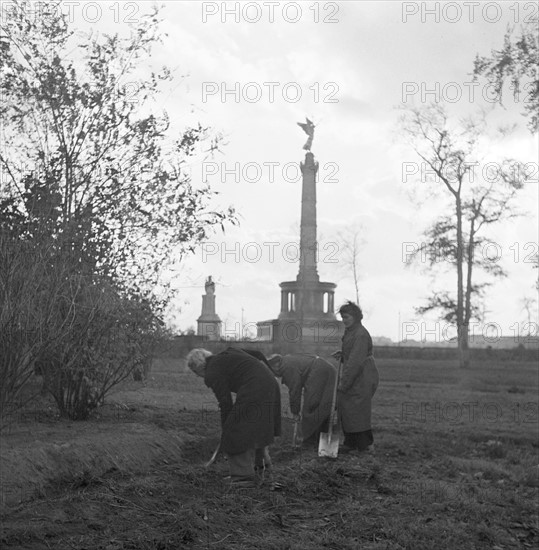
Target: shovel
(213,456)
(297,428)
(328,445)
(297,437)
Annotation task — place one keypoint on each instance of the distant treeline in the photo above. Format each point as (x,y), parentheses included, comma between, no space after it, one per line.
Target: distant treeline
(179,346)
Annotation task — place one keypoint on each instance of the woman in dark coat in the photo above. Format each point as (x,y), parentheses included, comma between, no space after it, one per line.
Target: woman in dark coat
(358,382)
(249,423)
(315,378)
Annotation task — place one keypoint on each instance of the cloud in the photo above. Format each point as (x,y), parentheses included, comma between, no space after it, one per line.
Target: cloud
(362,62)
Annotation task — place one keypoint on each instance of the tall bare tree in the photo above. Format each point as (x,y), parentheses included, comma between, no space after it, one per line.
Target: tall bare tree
(481,195)
(350,243)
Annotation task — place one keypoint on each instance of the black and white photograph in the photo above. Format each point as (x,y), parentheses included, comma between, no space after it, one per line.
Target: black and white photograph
(269,275)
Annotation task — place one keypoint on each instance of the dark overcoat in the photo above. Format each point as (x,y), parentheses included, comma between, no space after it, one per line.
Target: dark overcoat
(316,378)
(254,418)
(359,380)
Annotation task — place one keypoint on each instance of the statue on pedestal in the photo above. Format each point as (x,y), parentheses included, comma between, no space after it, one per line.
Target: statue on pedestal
(209,286)
(308,128)
(209,324)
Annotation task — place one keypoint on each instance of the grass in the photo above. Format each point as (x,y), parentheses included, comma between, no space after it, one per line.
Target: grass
(456,466)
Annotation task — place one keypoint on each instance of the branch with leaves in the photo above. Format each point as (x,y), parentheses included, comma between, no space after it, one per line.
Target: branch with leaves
(97,196)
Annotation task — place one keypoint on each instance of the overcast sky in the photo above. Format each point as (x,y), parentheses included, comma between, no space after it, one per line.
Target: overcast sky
(344,65)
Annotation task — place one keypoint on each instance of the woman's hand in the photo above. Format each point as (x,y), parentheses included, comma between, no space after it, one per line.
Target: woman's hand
(337,355)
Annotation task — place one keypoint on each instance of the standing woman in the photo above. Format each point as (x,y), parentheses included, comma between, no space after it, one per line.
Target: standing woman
(249,423)
(358,382)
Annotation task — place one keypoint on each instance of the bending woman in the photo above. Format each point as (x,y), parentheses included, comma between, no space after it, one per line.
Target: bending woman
(249,423)
(316,378)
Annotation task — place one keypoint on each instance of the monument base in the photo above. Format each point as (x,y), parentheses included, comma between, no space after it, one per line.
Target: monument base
(210,329)
(321,336)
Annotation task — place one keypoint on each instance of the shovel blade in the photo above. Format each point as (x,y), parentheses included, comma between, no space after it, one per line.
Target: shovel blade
(328,445)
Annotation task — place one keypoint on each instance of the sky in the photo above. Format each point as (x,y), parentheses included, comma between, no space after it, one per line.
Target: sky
(252,74)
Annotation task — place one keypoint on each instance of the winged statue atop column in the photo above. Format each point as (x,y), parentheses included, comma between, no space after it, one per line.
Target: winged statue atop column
(308,128)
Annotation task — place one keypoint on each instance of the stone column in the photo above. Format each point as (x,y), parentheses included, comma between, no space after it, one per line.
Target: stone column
(307,243)
(284,301)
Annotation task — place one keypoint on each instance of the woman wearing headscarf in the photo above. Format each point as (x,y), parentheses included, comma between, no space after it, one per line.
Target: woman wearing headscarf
(315,378)
(358,382)
(250,423)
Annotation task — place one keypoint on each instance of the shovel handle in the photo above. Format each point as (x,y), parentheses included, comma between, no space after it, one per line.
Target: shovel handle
(213,456)
(296,422)
(334,400)
(295,435)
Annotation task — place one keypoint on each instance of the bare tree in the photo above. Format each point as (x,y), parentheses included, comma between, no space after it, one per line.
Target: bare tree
(529,305)
(479,198)
(536,266)
(351,242)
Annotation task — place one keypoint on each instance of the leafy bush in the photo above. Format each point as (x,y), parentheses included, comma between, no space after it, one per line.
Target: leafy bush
(108,338)
(19,283)
(95,204)
(75,329)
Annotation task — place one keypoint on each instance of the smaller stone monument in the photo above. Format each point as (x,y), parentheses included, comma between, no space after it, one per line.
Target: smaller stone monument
(209,323)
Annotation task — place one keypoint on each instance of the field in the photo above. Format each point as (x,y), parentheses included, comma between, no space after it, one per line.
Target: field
(456,466)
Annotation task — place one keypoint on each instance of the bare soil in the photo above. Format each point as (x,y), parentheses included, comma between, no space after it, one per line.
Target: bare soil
(456,466)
